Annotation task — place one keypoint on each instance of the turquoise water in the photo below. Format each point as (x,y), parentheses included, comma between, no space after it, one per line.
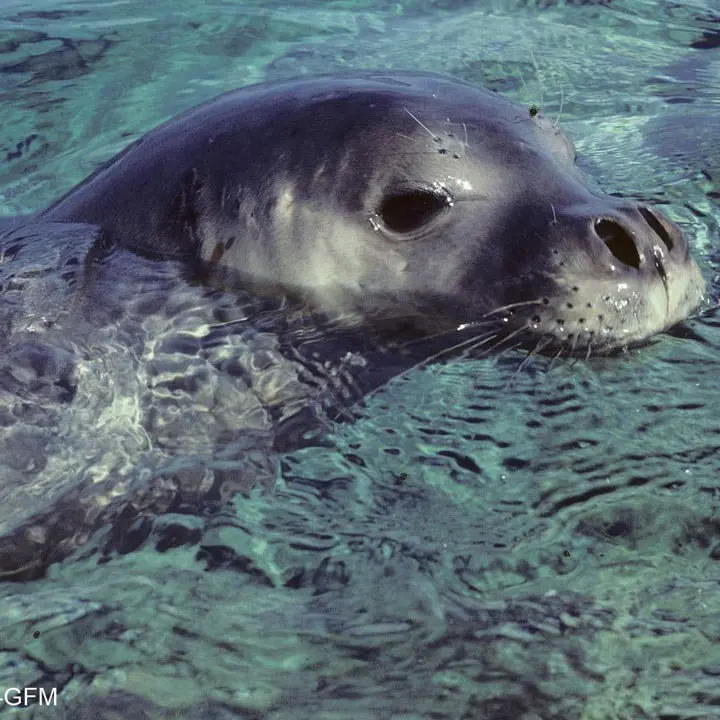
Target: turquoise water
(484,539)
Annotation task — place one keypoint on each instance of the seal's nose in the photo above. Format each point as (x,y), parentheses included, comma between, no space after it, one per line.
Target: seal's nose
(642,239)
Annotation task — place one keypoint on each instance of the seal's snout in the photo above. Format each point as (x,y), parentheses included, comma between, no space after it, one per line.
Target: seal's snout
(627,275)
(641,239)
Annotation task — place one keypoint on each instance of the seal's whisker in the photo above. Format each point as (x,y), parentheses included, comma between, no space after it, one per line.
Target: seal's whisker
(556,356)
(436,356)
(539,347)
(562,101)
(524,84)
(575,338)
(441,333)
(574,359)
(479,342)
(502,339)
(525,362)
(538,75)
(424,127)
(472,343)
(512,306)
(509,348)
(466,146)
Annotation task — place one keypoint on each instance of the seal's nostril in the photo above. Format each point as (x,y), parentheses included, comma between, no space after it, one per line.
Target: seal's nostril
(657,227)
(619,242)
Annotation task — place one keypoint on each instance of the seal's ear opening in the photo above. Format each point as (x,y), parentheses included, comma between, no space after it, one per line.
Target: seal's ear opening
(410,210)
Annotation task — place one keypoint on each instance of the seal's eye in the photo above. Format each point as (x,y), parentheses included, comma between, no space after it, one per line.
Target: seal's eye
(408,211)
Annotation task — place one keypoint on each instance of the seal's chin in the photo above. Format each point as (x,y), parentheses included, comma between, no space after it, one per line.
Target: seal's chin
(602,315)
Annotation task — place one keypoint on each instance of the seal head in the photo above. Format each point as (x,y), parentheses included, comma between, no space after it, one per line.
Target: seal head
(398,195)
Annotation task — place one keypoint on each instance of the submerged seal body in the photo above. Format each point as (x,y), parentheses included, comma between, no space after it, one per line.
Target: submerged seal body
(397,194)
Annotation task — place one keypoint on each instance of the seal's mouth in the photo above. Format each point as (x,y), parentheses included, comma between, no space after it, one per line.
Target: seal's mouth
(580,312)
(591,315)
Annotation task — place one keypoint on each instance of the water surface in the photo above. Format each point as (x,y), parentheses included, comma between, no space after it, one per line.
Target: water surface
(483,540)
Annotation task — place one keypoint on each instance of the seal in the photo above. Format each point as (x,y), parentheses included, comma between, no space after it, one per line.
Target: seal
(390,195)
(399,201)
